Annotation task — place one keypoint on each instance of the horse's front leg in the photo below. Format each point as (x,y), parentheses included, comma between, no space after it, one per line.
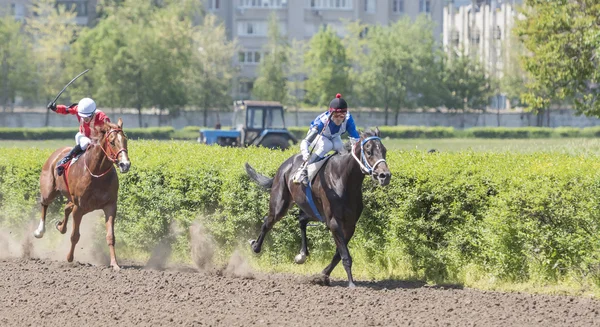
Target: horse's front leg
(342,238)
(61,226)
(303,220)
(77,216)
(110,213)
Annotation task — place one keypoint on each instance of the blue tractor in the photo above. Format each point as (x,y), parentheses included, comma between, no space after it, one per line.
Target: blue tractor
(259,123)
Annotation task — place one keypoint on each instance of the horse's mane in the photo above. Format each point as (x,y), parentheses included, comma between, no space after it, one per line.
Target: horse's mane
(101,131)
(363,135)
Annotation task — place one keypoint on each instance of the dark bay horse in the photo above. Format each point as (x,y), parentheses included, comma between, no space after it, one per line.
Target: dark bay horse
(336,194)
(89,184)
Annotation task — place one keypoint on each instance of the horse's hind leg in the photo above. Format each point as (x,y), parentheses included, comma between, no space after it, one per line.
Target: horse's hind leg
(327,271)
(303,220)
(48,194)
(278,206)
(110,213)
(62,225)
(77,216)
(39,232)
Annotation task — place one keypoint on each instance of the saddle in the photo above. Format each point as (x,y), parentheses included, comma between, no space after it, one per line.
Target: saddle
(67,164)
(314,167)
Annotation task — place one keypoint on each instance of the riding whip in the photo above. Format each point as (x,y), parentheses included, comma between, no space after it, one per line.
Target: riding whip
(64,88)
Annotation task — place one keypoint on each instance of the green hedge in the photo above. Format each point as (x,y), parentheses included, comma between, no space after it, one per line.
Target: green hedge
(158,133)
(191,132)
(444,217)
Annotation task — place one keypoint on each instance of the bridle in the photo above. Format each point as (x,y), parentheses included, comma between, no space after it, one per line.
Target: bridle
(365,167)
(110,154)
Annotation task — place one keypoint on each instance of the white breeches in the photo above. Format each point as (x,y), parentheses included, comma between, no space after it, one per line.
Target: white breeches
(82,140)
(324,145)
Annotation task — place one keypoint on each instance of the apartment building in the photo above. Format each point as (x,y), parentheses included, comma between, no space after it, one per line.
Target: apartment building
(247,21)
(481,28)
(20,9)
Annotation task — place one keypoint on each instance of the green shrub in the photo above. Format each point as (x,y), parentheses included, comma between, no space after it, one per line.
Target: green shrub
(413,132)
(515,217)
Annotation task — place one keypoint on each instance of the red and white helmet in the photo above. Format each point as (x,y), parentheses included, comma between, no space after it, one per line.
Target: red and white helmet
(86,107)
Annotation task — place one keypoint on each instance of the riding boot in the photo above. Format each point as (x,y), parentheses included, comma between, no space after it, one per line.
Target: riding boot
(60,168)
(303,171)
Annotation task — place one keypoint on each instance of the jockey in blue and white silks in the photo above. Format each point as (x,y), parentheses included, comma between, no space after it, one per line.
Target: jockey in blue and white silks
(325,135)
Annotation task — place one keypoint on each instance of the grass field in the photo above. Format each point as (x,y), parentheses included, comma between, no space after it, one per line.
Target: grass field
(566,145)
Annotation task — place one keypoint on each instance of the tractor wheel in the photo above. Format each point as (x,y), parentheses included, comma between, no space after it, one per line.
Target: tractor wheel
(275,142)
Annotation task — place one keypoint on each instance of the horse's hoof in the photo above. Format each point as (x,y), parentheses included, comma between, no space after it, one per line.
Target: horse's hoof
(38,234)
(116,267)
(59,227)
(351,285)
(300,258)
(253,245)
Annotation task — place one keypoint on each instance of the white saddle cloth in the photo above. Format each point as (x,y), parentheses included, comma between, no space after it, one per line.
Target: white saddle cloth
(314,168)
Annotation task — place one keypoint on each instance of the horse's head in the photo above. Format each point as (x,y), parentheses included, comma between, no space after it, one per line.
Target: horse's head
(372,153)
(114,144)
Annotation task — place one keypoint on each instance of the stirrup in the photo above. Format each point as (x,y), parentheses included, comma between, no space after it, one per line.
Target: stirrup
(60,170)
(301,176)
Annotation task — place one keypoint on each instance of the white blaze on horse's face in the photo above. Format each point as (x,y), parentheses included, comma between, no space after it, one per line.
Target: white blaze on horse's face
(123,159)
(375,152)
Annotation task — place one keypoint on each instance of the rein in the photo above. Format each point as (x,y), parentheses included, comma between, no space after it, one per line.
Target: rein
(112,157)
(365,167)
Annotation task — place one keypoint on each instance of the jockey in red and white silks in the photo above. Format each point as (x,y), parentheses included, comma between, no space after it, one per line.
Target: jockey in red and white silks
(325,135)
(89,117)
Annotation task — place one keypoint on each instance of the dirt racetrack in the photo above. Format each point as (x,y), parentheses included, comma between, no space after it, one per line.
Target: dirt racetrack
(43,292)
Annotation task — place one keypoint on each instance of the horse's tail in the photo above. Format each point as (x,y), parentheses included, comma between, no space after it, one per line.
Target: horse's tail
(264,181)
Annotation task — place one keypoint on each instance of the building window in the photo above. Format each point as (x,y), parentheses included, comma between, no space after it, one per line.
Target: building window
(80,8)
(370,6)
(214,4)
(252,28)
(249,57)
(262,3)
(246,86)
(455,38)
(425,6)
(330,4)
(474,35)
(398,6)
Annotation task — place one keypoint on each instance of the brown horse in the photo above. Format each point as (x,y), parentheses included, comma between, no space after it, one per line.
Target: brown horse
(336,195)
(89,184)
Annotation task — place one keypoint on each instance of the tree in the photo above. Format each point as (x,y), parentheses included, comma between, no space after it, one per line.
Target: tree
(393,66)
(562,39)
(54,29)
(17,66)
(145,55)
(327,66)
(271,82)
(210,73)
(512,83)
(465,82)
(295,79)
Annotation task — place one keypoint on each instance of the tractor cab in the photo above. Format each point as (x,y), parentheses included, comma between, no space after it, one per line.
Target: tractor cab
(259,123)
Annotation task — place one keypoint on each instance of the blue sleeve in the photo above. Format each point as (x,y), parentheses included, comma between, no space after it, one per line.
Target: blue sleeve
(318,123)
(351,128)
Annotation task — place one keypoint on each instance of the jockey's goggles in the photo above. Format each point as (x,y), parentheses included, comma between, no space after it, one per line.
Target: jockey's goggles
(338,111)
